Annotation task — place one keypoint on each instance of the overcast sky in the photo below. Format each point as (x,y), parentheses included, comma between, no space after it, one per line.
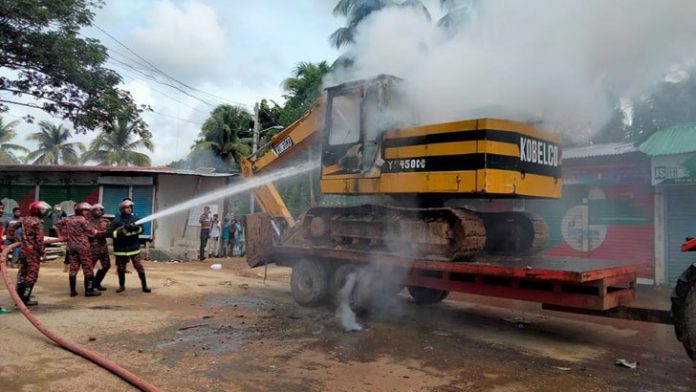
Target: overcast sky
(234,51)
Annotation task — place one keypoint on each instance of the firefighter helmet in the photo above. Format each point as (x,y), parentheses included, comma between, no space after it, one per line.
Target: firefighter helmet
(39,209)
(82,207)
(125,203)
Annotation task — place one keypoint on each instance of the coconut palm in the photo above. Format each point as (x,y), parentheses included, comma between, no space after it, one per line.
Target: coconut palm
(222,134)
(115,145)
(357,10)
(53,146)
(302,89)
(8,133)
(458,13)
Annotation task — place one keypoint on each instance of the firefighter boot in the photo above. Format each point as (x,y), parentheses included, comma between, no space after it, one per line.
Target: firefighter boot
(73,284)
(26,297)
(143,282)
(89,288)
(98,279)
(121,281)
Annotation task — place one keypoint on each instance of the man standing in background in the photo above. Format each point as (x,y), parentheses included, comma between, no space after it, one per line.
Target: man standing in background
(56,217)
(205,222)
(214,236)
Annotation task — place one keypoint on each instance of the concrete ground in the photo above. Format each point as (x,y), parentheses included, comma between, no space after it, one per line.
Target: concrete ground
(227,330)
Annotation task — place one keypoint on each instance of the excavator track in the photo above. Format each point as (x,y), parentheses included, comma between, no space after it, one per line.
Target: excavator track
(446,233)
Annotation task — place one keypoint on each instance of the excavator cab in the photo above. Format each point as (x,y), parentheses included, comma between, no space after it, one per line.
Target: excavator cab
(356,114)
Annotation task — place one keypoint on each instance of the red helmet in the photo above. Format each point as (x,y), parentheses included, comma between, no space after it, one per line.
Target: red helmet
(39,209)
(82,206)
(125,203)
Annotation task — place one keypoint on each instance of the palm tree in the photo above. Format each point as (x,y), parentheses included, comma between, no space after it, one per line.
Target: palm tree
(302,89)
(115,145)
(54,146)
(222,134)
(459,13)
(8,133)
(357,10)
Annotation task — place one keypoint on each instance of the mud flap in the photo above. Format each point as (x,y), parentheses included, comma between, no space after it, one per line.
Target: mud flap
(684,310)
(259,238)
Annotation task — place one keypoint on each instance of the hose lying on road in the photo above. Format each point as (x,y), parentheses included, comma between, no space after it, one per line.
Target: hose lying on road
(70,346)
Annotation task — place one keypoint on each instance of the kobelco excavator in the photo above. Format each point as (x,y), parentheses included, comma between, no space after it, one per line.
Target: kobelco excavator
(413,171)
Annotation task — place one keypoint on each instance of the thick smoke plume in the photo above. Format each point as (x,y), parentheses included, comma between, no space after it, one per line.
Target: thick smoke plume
(565,63)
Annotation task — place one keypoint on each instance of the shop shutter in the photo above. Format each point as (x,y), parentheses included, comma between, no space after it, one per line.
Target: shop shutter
(17,195)
(680,222)
(553,212)
(112,195)
(143,199)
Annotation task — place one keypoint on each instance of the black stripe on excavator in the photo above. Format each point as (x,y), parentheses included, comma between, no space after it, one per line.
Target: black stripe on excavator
(458,136)
(467,162)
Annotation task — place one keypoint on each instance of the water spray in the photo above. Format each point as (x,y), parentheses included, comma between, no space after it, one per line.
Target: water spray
(232,190)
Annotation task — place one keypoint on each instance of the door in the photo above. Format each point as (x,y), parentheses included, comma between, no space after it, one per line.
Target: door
(342,150)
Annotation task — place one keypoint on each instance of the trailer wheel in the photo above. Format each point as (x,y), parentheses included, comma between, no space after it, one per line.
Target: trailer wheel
(426,296)
(309,283)
(684,310)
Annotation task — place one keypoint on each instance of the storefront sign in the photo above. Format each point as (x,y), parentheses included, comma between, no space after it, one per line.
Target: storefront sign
(673,169)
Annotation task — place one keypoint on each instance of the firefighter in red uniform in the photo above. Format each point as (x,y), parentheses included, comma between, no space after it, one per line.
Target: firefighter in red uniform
(32,250)
(77,231)
(127,245)
(100,250)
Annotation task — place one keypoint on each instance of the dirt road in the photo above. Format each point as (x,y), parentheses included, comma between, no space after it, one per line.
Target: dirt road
(227,330)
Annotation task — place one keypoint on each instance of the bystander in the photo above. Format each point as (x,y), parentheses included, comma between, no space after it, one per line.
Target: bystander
(204,220)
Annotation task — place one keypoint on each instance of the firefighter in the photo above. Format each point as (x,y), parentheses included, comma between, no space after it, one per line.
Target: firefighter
(32,243)
(127,245)
(100,250)
(77,231)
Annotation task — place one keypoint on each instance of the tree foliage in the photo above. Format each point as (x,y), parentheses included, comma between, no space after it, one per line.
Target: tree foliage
(7,149)
(45,58)
(226,134)
(302,89)
(115,145)
(54,148)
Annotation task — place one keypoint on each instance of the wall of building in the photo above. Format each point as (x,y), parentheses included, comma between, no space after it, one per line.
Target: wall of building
(173,234)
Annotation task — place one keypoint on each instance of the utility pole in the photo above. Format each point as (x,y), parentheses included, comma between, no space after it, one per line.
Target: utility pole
(254,147)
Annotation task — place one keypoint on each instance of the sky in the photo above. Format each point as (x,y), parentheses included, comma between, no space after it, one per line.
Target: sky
(234,52)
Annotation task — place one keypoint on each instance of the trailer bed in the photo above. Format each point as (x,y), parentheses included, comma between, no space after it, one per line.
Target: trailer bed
(569,282)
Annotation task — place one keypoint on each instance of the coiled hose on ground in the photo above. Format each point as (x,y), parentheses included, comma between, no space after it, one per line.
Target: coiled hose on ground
(70,346)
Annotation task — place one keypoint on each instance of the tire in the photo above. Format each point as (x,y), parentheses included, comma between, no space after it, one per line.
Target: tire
(684,310)
(309,283)
(426,296)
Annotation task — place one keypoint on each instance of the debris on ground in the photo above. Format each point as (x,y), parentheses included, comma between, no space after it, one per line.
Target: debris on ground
(4,311)
(216,266)
(244,286)
(192,326)
(565,369)
(168,282)
(92,338)
(520,322)
(626,364)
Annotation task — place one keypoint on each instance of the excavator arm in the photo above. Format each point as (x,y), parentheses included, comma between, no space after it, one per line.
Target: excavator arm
(283,146)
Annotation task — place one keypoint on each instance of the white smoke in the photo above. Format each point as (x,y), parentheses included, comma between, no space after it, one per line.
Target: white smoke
(344,313)
(566,63)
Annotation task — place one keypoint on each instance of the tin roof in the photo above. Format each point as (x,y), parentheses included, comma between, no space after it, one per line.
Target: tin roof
(598,150)
(202,172)
(679,139)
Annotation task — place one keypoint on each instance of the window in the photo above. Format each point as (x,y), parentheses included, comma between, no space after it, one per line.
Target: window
(345,118)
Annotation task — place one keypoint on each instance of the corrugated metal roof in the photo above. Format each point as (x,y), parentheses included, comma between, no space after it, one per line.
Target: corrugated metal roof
(679,139)
(598,150)
(111,169)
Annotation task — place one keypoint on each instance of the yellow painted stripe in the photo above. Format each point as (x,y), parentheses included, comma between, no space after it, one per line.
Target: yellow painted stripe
(468,125)
(500,148)
(436,149)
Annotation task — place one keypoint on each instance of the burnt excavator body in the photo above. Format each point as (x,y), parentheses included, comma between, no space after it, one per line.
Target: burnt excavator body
(413,173)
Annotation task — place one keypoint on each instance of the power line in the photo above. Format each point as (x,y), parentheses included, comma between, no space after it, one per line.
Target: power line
(158,70)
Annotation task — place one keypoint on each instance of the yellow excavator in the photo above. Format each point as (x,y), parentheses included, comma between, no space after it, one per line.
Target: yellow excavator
(412,172)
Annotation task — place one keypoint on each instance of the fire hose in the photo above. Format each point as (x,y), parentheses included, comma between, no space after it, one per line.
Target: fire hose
(70,346)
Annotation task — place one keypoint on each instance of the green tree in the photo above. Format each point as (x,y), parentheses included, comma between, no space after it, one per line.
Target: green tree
(115,145)
(7,133)
(224,134)
(54,148)
(41,46)
(302,89)
(356,11)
